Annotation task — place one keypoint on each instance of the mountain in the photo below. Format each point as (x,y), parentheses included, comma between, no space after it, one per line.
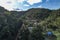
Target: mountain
(14,25)
(16,13)
(32,14)
(37,13)
(44,17)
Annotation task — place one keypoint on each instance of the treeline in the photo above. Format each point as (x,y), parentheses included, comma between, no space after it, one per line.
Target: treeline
(13,24)
(49,19)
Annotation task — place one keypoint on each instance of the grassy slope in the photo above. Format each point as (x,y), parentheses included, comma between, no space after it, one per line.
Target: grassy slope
(57,34)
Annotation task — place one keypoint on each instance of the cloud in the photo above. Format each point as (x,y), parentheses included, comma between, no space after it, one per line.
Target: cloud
(6,5)
(20,0)
(40,6)
(26,5)
(31,2)
(18,4)
(47,0)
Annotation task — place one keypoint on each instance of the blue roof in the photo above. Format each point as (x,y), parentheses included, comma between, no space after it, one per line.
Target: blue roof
(49,33)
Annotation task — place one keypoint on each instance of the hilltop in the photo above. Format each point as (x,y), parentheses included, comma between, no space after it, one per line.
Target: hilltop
(14,24)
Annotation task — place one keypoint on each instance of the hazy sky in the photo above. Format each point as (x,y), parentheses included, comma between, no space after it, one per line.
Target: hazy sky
(27,4)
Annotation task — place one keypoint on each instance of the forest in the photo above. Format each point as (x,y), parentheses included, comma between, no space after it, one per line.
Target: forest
(32,24)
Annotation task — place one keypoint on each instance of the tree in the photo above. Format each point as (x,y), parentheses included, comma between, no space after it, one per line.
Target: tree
(37,34)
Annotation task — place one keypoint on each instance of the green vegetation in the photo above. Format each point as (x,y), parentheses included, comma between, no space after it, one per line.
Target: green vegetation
(15,25)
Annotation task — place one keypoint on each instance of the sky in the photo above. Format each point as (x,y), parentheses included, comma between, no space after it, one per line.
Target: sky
(22,5)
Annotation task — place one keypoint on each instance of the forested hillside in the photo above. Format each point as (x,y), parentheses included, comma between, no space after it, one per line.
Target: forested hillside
(17,25)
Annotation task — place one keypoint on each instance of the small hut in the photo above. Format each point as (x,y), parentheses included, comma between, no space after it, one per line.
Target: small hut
(50,36)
